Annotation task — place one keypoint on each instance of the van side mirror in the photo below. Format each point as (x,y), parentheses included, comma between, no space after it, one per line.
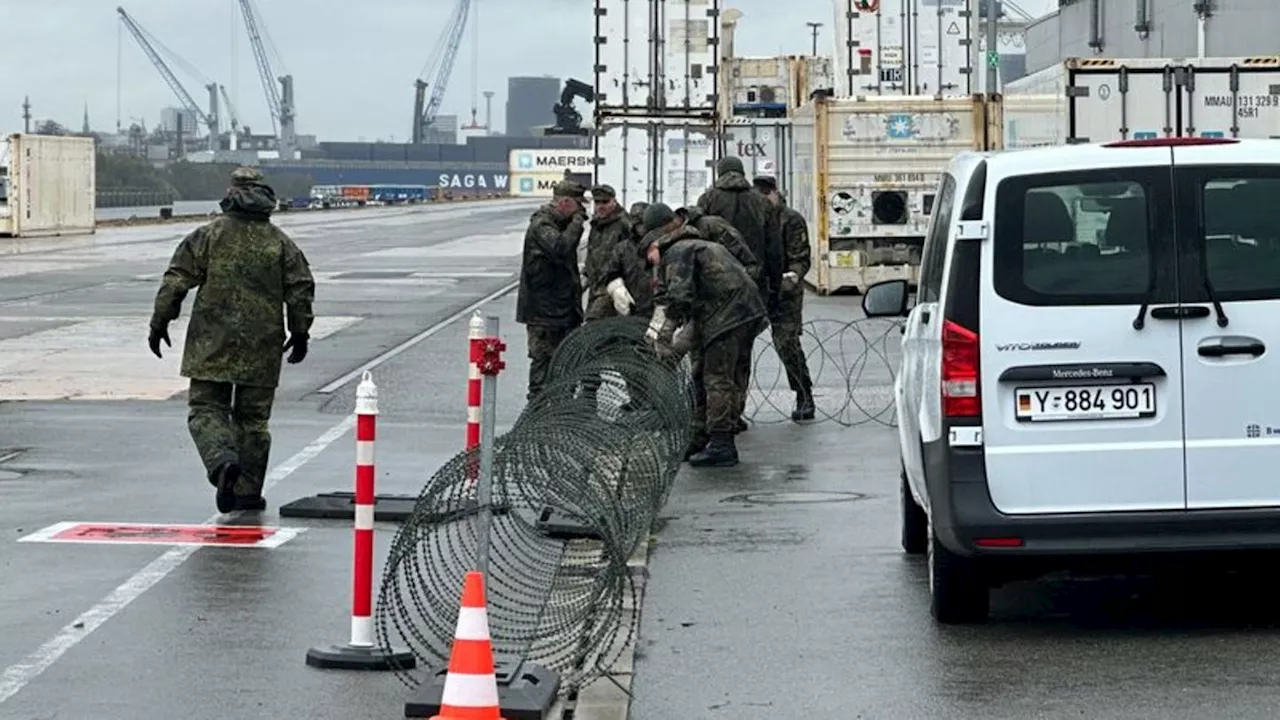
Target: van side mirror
(886,299)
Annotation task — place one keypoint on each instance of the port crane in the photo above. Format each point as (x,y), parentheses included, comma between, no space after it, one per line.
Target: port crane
(446,52)
(279,99)
(148,44)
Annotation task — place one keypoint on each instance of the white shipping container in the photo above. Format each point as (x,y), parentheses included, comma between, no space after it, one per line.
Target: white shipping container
(656,56)
(655,159)
(763,145)
(903,47)
(534,184)
(50,186)
(865,174)
(1105,99)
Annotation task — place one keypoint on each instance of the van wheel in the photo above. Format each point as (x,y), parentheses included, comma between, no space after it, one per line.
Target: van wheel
(958,592)
(915,524)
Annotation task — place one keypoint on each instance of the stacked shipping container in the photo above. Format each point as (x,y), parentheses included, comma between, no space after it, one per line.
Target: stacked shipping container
(656,94)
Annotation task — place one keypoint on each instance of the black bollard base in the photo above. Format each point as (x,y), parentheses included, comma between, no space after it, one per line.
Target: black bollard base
(342,506)
(346,657)
(555,523)
(526,691)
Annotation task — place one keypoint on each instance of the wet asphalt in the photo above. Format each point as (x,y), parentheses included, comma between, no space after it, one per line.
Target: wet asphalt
(776,589)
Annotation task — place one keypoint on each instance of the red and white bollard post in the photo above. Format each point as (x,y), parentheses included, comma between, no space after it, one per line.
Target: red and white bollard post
(475,349)
(361,653)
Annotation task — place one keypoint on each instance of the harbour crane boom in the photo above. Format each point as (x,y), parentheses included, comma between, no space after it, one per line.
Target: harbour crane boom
(279,99)
(451,42)
(145,41)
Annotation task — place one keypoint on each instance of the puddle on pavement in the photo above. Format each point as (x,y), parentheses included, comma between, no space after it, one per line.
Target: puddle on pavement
(795,498)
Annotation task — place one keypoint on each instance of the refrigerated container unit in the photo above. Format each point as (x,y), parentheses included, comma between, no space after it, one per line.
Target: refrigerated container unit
(655,159)
(763,145)
(656,57)
(1093,100)
(48,186)
(905,47)
(865,173)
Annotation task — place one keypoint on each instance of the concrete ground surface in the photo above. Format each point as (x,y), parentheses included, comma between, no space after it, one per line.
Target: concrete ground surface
(776,589)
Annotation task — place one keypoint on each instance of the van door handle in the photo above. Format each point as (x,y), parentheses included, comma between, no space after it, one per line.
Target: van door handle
(1223,347)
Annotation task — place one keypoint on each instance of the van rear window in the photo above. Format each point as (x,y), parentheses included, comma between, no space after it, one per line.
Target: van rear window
(1241,232)
(1076,239)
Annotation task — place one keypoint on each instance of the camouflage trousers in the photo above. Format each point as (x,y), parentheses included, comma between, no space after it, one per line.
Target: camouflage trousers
(543,341)
(785,322)
(229,423)
(720,382)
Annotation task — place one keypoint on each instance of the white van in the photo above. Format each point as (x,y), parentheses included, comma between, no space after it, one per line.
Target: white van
(1092,366)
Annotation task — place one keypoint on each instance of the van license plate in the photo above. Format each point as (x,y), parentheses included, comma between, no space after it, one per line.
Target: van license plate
(1085,402)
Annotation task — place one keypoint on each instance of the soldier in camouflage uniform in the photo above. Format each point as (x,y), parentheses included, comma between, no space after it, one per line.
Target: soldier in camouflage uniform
(636,214)
(702,288)
(249,275)
(549,301)
(733,199)
(718,230)
(610,226)
(785,318)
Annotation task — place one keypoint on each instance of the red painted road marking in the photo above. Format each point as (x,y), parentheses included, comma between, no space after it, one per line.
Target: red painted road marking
(160,534)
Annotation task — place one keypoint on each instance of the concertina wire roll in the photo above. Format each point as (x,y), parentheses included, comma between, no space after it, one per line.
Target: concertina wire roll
(600,445)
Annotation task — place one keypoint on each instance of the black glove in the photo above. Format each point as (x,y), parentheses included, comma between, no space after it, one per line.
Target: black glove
(297,343)
(158,333)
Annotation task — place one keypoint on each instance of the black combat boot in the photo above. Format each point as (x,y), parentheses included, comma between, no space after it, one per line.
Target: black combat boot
(695,446)
(804,406)
(251,503)
(720,452)
(741,427)
(224,479)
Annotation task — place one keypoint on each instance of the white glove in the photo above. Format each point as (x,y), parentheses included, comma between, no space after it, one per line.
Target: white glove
(684,338)
(622,300)
(790,280)
(657,325)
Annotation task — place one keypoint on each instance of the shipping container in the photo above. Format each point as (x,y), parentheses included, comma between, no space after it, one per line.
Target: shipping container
(655,159)
(904,47)
(398,194)
(48,185)
(656,57)
(526,184)
(865,174)
(763,145)
(1093,100)
(540,161)
(582,142)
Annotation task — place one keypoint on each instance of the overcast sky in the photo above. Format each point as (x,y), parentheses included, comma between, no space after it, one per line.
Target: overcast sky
(353,61)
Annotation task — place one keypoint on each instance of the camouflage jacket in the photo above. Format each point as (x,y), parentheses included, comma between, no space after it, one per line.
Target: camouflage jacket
(606,233)
(795,241)
(734,199)
(249,276)
(700,281)
(628,262)
(550,286)
(718,230)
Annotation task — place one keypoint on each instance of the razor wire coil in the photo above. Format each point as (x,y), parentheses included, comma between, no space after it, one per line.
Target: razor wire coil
(596,450)
(861,354)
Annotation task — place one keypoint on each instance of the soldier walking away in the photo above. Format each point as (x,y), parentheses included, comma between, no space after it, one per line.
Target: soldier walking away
(549,301)
(610,226)
(703,289)
(246,271)
(786,316)
(733,198)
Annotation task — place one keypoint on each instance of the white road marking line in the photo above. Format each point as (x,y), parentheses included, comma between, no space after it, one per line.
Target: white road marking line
(18,676)
(336,384)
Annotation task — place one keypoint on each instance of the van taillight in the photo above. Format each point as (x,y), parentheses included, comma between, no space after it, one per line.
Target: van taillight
(960,371)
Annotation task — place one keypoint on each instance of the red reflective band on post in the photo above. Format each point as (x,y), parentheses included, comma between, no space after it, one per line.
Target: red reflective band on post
(960,371)
(362,601)
(1009,542)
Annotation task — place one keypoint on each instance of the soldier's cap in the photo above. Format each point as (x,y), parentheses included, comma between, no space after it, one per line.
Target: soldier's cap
(657,215)
(730,164)
(603,193)
(568,188)
(765,182)
(246,176)
(638,208)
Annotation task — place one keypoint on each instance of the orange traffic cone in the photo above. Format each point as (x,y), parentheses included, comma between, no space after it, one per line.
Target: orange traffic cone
(470,687)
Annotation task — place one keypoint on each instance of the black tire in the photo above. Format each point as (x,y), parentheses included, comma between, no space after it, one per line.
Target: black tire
(958,591)
(915,524)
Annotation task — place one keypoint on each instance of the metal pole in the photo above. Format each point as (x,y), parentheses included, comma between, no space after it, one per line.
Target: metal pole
(993,34)
(484,484)
(813,26)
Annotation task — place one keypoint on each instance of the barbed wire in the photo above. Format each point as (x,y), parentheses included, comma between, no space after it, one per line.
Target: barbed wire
(861,354)
(577,483)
